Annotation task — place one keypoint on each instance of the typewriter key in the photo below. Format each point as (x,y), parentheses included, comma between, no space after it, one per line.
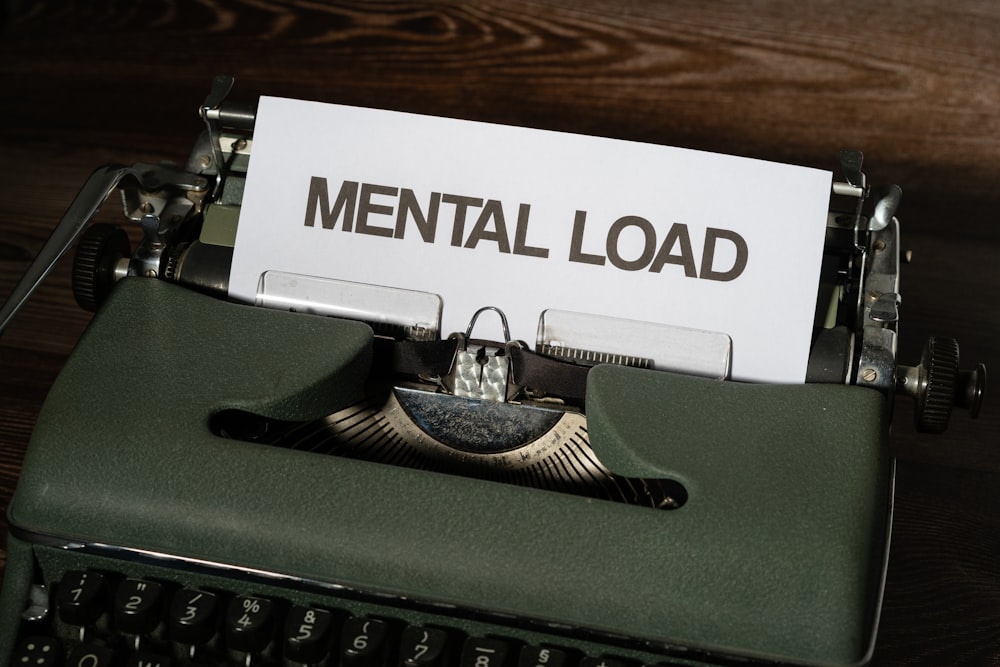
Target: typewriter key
(484,652)
(363,643)
(249,623)
(308,634)
(88,655)
(423,647)
(81,598)
(37,652)
(193,616)
(137,606)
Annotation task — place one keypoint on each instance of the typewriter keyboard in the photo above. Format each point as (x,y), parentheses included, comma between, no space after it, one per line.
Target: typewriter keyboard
(151,616)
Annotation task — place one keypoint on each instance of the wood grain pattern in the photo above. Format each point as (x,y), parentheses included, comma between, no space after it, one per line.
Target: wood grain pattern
(916,85)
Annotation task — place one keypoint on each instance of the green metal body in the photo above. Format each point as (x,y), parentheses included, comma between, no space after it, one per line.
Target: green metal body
(778,553)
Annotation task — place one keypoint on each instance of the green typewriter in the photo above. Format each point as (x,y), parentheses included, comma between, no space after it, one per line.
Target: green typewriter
(348,486)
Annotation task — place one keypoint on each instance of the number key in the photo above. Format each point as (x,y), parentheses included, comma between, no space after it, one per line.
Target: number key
(249,623)
(363,643)
(193,617)
(422,647)
(484,652)
(308,634)
(137,606)
(81,597)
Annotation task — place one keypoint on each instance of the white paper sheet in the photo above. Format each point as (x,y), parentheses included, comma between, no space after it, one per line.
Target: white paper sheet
(529,219)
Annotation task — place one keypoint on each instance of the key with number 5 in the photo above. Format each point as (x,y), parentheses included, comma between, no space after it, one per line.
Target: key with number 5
(308,634)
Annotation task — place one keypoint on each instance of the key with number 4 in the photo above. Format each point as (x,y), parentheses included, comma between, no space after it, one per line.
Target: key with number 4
(249,623)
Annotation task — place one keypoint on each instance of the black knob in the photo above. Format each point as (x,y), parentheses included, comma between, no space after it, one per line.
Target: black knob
(940,363)
(971,388)
(937,385)
(97,255)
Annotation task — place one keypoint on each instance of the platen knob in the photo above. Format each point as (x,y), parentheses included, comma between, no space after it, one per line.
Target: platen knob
(937,385)
(95,263)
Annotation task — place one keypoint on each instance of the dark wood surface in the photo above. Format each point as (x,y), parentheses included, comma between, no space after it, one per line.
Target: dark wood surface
(916,85)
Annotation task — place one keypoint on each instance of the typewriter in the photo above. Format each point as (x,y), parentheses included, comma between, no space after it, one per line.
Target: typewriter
(264,487)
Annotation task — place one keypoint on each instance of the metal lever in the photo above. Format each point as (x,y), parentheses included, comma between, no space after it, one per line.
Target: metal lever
(850,164)
(219,114)
(85,206)
(886,202)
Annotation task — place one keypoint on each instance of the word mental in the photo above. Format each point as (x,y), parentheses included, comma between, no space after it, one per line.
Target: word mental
(391,212)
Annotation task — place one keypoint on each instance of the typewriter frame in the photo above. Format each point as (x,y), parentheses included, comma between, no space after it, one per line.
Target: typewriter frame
(779,555)
(811,512)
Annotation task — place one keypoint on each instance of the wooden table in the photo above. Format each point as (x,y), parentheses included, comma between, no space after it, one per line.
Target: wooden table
(916,86)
